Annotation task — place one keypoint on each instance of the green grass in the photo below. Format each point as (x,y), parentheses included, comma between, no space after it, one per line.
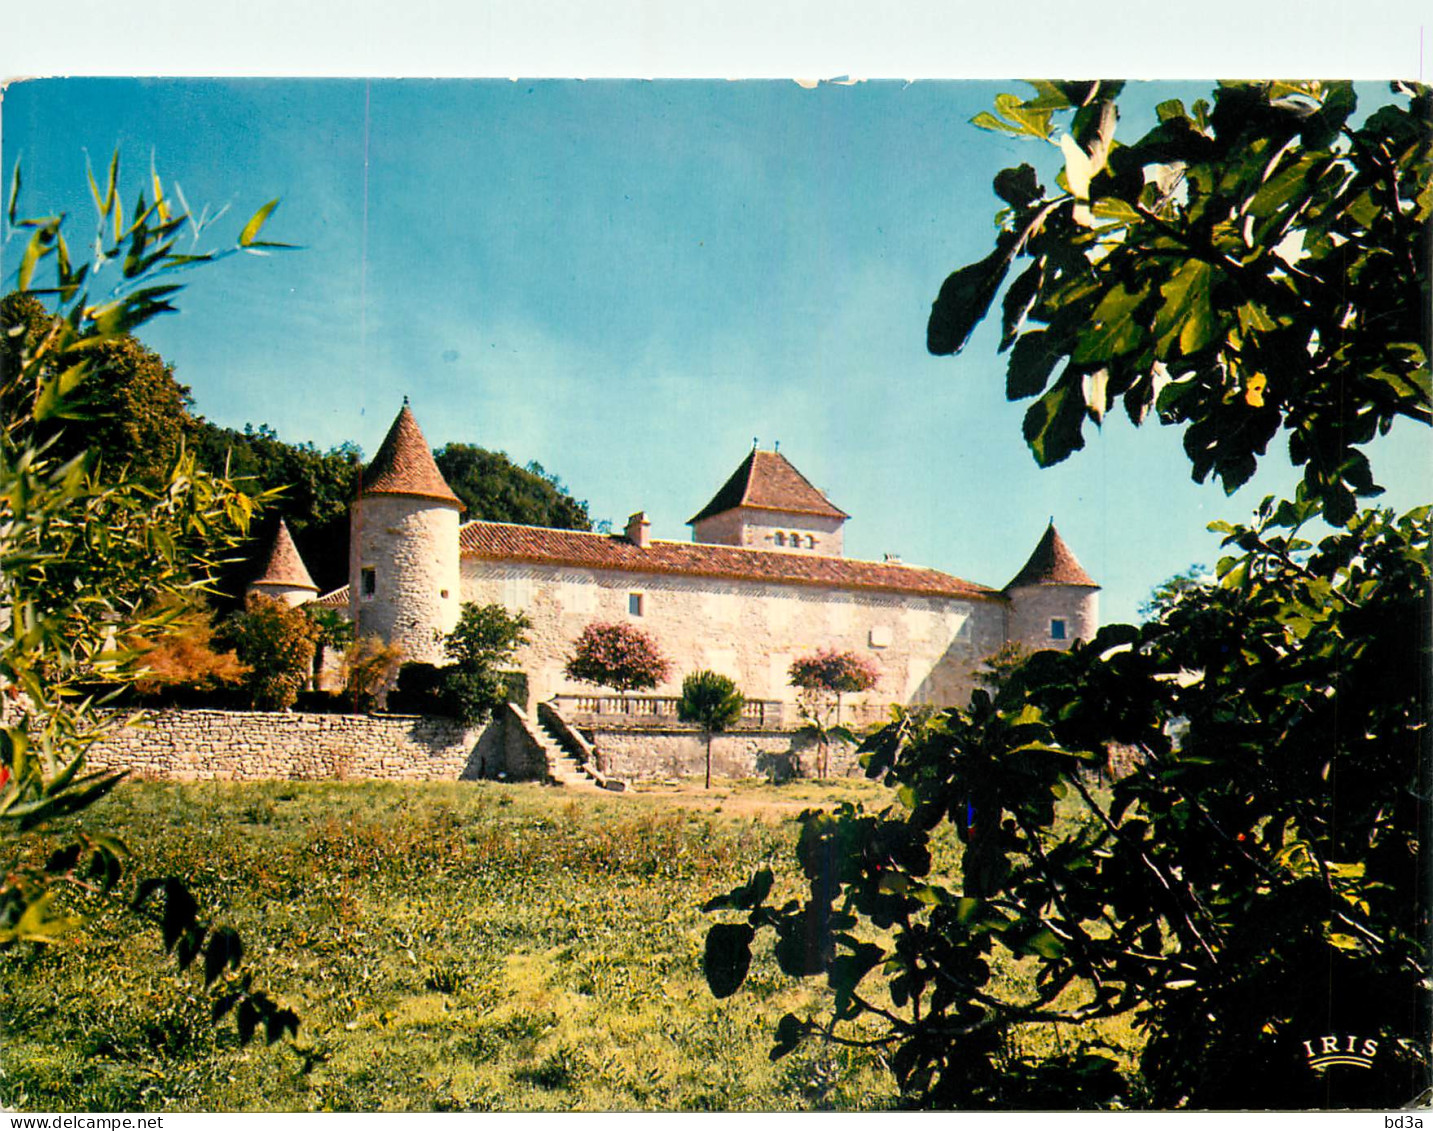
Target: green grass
(448,947)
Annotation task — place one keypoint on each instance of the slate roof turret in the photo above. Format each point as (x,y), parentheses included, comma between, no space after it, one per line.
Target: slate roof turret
(1052,563)
(404,465)
(767,481)
(284,566)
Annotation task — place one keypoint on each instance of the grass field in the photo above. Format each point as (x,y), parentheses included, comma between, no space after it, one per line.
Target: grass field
(448,947)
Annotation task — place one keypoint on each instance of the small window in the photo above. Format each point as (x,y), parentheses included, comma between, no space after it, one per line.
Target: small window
(443,593)
(780,538)
(795,539)
(1057,629)
(810,542)
(634,604)
(370,581)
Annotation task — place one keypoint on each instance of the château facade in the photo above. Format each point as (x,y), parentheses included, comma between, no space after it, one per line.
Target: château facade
(763,581)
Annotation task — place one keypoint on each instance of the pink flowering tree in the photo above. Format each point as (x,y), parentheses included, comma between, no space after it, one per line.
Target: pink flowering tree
(825,676)
(617,656)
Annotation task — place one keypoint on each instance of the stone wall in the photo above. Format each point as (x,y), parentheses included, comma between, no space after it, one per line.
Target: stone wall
(926,648)
(255,745)
(657,753)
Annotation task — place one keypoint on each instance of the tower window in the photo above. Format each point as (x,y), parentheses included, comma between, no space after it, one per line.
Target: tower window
(634,604)
(810,541)
(1057,628)
(370,581)
(780,538)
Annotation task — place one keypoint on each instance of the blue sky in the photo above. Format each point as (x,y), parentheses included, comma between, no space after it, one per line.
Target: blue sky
(627,282)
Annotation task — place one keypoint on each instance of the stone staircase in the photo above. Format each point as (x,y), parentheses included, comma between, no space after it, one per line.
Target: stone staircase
(562,767)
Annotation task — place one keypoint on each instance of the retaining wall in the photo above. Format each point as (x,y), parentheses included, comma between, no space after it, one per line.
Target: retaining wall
(676,752)
(190,745)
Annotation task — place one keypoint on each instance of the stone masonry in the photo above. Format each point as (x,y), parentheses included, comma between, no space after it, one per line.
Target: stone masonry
(192,745)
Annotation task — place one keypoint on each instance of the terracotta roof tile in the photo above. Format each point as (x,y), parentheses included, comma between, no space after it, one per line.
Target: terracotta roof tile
(336,599)
(498,541)
(404,465)
(284,566)
(1052,563)
(767,481)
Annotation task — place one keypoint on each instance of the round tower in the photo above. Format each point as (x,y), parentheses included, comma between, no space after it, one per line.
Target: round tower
(1053,601)
(403,569)
(284,576)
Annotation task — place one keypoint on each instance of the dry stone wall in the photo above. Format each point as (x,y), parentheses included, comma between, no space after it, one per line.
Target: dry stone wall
(255,745)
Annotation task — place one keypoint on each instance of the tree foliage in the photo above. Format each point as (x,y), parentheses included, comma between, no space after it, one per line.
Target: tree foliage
(1252,265)
(277,644)
(88,570)
(825,676)
(484,642)
(495,489)
(133,413)
(712,701)
(617,656)
(1251,886)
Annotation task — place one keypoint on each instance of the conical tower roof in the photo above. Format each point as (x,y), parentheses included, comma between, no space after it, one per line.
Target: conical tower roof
(767,481)
(404,464)
(284,566)
(1052,563)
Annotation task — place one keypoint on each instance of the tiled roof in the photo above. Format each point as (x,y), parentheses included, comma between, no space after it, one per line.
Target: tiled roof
(1052,563)
(337,599)
(404,465)
(767,481)
(500,541)
(284,566)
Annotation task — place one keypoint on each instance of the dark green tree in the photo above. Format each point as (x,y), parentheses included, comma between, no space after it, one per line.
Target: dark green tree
(1257,881)
(495,489)
(713,702)
(484,642)
(132,414)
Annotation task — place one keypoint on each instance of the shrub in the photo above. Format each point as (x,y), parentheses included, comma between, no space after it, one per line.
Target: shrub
(368,665)
(277,643)
(486,638)
(187,657)
(617,656)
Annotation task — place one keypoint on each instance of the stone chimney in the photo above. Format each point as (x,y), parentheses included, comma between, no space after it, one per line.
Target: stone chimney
(893,559)
(639,530)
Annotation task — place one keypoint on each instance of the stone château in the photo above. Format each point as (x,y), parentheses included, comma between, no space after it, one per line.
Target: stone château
(763,581)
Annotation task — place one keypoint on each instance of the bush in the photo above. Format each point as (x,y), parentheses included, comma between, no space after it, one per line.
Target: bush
(277,643)
(368,665)
(188,657)
(617,656)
